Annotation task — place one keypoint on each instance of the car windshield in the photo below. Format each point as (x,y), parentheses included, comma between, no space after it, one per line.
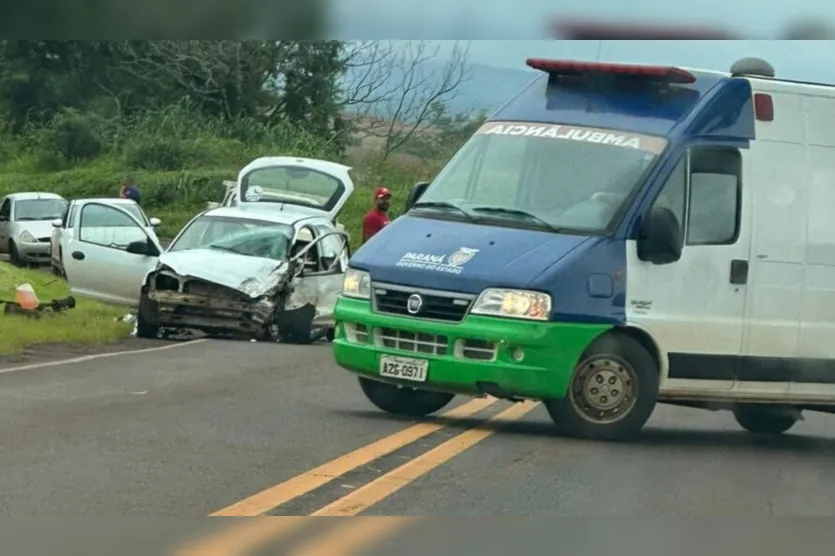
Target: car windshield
(243,236)
(294,185)
(557,177)
(136,212)
(39,209)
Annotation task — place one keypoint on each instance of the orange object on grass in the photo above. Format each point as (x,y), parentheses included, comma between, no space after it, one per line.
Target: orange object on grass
(26,297)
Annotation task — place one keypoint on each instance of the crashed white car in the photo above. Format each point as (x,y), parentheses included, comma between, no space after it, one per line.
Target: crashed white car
(269,268)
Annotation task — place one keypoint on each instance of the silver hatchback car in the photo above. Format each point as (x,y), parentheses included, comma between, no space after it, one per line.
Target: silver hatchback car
(26,226)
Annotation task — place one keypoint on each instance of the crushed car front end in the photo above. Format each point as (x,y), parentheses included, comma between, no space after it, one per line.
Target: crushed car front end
(268,305)
(183,301)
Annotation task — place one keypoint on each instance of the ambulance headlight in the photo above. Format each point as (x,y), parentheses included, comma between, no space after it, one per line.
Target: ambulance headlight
(357,284)
(518,304)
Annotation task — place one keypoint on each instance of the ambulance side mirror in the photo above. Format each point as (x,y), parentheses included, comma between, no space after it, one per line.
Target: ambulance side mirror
(415,194)
(660,239)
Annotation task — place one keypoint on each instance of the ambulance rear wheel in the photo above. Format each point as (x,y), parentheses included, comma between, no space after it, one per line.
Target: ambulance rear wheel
(763,419)
(612,392)
(400,400)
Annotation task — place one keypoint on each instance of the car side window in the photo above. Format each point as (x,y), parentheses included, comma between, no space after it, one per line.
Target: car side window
(6,210)
(312,258)
(715,196)
(673,194)
(332,248)
(108,226)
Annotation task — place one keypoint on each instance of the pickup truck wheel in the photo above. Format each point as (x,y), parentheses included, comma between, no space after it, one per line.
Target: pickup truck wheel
(612,392)
(403,401)
(763,419)
(14,255)
(146,318)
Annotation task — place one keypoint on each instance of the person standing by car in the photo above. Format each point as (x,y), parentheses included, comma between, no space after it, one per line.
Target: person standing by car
(129,190)
(377,218)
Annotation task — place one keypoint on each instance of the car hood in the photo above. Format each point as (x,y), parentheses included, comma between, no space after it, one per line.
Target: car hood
(38,228)
(460,256)
(253,276)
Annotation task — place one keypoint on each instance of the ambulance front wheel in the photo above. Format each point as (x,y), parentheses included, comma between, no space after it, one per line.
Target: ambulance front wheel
(762,419)
(612,392)
(400,400)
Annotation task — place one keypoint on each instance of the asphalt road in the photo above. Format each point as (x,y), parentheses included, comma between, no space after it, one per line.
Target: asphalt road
(235,428)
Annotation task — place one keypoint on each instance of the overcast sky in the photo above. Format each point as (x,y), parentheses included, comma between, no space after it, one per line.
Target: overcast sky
(503,20)
(528,19)
(809,60)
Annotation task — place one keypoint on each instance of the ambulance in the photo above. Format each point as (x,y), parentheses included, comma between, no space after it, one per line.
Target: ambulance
(615,237)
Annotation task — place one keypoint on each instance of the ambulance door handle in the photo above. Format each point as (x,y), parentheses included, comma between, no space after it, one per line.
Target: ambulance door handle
(739,272)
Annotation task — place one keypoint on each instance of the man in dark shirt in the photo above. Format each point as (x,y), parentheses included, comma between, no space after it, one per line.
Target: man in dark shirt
(377,218)
(130,191)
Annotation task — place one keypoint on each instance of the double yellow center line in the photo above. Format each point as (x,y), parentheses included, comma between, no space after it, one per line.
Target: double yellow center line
(355,535)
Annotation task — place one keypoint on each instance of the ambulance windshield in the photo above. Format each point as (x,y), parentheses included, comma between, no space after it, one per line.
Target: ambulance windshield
(570,177)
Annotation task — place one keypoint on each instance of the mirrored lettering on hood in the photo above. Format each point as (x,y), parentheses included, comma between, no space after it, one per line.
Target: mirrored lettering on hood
(452,263)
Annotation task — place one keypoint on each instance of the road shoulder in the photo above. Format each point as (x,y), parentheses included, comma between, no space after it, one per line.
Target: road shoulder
(51,352)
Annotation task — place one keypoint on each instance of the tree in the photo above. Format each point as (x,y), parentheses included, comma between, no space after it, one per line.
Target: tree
(296,81)
(310,92)
(224,79)
(394,93)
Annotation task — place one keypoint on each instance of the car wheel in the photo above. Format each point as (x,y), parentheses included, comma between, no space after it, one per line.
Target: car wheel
(401,400)
(612,393)
(146,317)
(14,255)
(761,419)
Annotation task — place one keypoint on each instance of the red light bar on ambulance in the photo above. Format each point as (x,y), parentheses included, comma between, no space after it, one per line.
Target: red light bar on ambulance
(667,74)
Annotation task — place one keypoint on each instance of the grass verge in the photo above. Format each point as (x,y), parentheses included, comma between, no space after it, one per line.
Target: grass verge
(88,323)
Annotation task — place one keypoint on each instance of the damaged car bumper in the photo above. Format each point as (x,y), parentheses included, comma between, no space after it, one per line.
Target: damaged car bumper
(187,302)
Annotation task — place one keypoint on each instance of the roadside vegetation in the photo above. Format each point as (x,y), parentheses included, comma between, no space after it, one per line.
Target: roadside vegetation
(89,322)
(79,117)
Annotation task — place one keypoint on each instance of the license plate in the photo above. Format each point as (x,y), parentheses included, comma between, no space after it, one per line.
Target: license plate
(404,368)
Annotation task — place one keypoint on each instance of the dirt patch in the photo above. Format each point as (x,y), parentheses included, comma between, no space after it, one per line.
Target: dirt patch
(45,353)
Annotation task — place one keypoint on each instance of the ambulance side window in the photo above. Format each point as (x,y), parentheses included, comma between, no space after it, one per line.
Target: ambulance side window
(672,195)
(715,196)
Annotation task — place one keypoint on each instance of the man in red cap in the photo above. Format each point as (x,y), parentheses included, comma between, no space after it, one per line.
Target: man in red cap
(377,218)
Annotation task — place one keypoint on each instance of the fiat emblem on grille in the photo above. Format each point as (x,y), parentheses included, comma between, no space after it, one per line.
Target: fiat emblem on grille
(414,304)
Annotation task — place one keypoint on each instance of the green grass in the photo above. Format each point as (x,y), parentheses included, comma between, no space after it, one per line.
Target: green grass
(88,323)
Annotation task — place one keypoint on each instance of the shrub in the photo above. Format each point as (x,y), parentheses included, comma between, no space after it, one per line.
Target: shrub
(160,153)
(69,138)
(191,189)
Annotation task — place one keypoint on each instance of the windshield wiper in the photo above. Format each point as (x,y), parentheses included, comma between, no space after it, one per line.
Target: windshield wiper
(443,205)
(519,212)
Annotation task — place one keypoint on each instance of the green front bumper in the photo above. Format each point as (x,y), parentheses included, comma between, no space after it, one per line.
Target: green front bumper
(551,350)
